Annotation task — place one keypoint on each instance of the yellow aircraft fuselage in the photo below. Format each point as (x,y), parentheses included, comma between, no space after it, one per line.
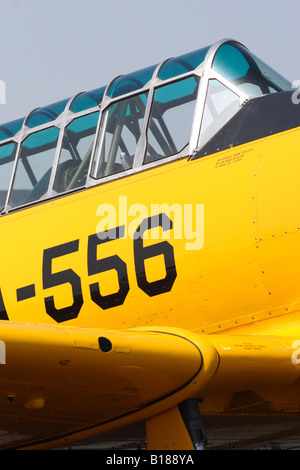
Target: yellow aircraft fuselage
(243,249)
(122,300)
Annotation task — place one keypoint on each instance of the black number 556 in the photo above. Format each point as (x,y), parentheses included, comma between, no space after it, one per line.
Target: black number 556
(96,266)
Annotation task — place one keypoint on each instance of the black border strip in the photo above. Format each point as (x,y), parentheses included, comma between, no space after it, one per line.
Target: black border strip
(258,118)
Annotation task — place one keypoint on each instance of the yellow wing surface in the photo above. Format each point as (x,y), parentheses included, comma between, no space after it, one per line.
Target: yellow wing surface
(62,384)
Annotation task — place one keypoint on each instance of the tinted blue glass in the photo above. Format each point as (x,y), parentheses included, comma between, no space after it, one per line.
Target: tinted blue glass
(46,114)
(7,156)
(40,138)
(87,100)
(176,90)
(7,151)
(249,73)
(84,123)
(230,63)
(273,77)
(171,118)
(182,64)
(10,128)
(128,83)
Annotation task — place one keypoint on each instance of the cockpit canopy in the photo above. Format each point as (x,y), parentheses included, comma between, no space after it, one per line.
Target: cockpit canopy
(142,119)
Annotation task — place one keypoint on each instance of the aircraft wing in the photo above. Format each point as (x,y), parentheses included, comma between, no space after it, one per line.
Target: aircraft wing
(62,384)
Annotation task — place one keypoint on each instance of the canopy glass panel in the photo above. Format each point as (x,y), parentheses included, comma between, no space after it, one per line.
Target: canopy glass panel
(251,75)
(182,64)
(46,114)
(10,129)
(129,83)
(34,167)
(87,100)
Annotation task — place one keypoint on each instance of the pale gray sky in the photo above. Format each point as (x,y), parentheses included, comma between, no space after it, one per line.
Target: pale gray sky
(52,49)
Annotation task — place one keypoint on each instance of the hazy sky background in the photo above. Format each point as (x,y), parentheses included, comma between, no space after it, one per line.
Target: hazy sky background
(53,49)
